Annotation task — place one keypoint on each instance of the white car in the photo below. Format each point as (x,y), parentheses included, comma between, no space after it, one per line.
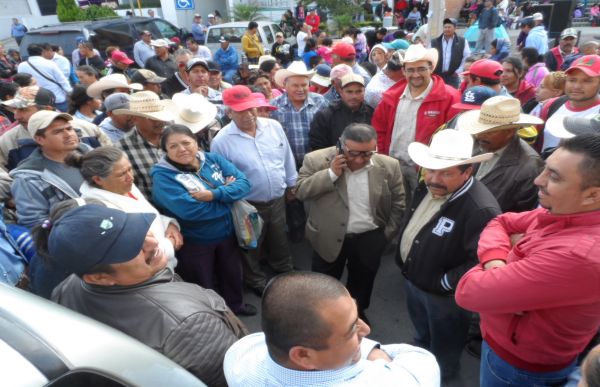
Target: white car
(45,344)
(235,31)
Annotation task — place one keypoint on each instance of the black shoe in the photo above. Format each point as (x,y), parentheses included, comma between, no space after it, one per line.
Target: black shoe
(258,290)
(247,310)
(473,348)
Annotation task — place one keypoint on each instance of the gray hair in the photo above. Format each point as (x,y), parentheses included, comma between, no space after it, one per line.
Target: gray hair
(359,133)
(97,162)
(181,52)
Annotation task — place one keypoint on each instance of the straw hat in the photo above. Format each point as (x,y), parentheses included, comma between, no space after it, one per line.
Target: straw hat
(297,68)
(418,52)
(496,113)
(194,111)
(263,59)
(147,104)
(448,148)
(111,81)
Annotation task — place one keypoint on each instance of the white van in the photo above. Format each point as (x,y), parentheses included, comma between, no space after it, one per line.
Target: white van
(235,31)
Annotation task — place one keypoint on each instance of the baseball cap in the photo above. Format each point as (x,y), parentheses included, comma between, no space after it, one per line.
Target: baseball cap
(344,50)
(568,32)
(485,68)
(116,101)
(31,96)
(450,20)
(93,235)
(159,43)
(570,126)
(43,119)
(239,98)
(527,21)
(120,56)
(352,78)
(473,97)
(197,15)
(396,44)
(146,76)
(537,16)
(211,15)
(262,101)
(224,39)
(196,62)
(213,67)
(589,64)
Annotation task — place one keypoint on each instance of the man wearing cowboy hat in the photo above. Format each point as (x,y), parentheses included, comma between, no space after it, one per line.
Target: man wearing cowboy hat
(329,123)
(536,284)
(509,174)
(413,111)
(150,115)
(352,217)
(105,86)
(296,107)
(438,242)
(260,149)
(43,179)
(162,63)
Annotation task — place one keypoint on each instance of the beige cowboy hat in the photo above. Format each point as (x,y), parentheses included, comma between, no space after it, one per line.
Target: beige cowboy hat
(261,60)
(111,81)
(448,148)
(194,111)
(418,52)
(496,113)
(147,104)
(296,69)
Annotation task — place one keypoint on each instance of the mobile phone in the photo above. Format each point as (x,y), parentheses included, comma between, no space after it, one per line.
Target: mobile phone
(338,146)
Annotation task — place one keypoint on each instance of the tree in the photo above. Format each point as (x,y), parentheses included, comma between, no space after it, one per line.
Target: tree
(342,11)
(67,10)
(247,12)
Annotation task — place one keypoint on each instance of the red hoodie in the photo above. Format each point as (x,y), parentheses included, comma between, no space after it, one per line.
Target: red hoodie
(540,310)
(435,110)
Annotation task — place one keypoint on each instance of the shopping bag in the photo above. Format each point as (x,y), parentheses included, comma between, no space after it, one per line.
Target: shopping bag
(247,223)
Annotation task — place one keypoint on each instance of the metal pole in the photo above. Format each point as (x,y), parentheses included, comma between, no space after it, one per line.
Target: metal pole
(435,22)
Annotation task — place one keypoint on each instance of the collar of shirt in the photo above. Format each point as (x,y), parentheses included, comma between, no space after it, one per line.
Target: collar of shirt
(237,131)
(363,169)
(313,377)
(423,95)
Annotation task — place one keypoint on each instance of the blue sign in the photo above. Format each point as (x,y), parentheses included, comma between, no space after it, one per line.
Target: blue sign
(184,5)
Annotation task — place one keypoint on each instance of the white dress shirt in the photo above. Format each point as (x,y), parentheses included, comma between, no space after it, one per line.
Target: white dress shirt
(60,87)
(63,64)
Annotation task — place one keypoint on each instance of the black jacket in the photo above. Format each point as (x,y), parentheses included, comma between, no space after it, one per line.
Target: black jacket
(162,68)
(446,247)
(511,179)
(329,123)
(458,47)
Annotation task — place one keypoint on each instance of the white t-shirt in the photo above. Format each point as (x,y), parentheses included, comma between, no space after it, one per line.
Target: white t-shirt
(300,38)
(551,141)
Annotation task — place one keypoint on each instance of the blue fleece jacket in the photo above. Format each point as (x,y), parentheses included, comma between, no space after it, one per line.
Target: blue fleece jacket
(227,59)
(538,39)
(201,222)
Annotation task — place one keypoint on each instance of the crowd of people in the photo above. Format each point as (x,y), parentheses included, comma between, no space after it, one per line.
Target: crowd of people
(119,177)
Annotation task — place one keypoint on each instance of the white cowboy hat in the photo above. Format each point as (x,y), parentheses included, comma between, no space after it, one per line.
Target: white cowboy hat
(496,113)
(448,148)
(418,52)
(147,104)
(297,68)
(111,81)
(194,111)
(263,59)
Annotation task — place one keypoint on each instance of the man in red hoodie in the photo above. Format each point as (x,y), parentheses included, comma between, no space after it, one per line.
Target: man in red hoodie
(537,287)
(412,110)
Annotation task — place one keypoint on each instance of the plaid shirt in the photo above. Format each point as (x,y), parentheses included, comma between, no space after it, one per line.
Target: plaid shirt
(142,155)
(296,123)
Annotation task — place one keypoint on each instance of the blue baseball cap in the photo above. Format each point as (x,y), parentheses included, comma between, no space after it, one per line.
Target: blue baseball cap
(93,235)
(397,44)
(474,97)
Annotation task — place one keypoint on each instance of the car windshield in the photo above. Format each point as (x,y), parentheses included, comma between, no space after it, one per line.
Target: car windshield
(235,34)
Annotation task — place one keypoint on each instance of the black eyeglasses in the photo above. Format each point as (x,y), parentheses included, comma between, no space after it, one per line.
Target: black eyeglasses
(364,154)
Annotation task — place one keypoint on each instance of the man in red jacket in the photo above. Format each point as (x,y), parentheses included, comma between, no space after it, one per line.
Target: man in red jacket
(537,285)
(412,110)
(313,20)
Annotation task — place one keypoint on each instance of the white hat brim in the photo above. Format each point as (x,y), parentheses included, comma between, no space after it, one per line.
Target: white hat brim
(555,126)
(167,114)
(321,80)
(469,122)
(208,109)
(95,89)
(282,75)
(430,55)
(419,153)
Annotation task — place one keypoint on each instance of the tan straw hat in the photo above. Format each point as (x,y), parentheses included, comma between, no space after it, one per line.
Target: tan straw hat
(111,81)
(448,148)
(418,52)
(147,104)
(194,111)
(496,113)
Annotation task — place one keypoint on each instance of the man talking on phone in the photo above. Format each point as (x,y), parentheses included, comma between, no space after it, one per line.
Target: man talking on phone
(356,200)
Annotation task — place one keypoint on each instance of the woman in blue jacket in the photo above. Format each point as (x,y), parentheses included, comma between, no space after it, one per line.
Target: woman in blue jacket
(197,189)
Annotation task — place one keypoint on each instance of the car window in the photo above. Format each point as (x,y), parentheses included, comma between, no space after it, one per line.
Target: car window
(235,34)
(268,35)
(147,25)
(64,39)
(166,29)
(277,29)
(118,34)
(83,378)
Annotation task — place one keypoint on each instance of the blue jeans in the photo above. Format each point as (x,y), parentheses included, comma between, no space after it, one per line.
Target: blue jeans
(495,372)
(62,106)
(228,75)
(441,326)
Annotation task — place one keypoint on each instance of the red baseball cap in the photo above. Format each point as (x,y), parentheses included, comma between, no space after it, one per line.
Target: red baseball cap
(239,98)
(344,50)
(486,68)
(589,64)
(120,56)
(262,100)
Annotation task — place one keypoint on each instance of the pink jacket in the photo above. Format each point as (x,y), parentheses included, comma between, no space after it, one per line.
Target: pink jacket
(540,310)
(536,74)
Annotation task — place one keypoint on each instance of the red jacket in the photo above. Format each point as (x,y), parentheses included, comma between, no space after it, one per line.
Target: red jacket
(435,110)
(525,92)
(313,21)
(540,310)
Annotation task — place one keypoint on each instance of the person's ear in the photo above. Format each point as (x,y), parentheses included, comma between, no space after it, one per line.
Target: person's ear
(102,279)
(302,357)
(591,197)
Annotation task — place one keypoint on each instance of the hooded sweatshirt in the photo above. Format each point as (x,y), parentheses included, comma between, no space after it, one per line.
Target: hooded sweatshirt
(538,39)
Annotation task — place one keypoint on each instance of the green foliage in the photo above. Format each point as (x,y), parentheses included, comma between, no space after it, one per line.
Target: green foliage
(247,12)
(94,12)
(342,22)
(342,11)
(67,10)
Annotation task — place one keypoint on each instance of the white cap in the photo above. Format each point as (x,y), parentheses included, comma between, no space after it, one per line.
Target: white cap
(538,16)
(210,15)
(43,118)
